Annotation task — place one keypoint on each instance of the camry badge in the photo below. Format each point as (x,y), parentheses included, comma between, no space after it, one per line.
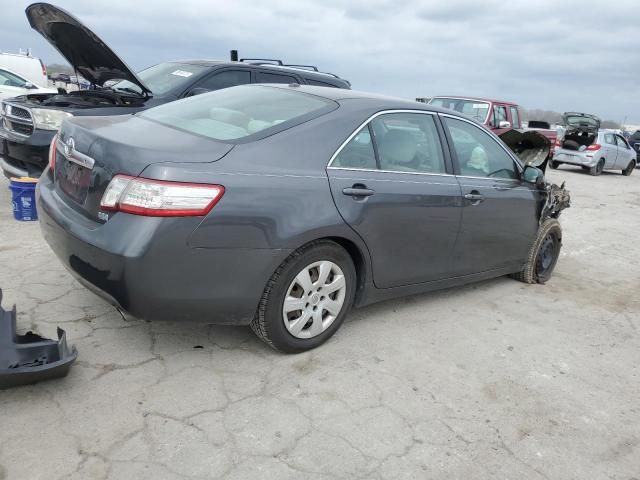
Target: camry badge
(69,149)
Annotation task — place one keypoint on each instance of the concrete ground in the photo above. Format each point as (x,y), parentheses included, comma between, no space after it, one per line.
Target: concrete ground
(498,380)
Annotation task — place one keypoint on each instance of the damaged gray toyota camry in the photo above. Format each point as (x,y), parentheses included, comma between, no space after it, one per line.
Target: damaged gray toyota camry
(281,207)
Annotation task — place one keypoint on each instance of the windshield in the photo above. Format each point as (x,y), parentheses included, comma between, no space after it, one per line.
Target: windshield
(237,112)
(162,78)
(473,108)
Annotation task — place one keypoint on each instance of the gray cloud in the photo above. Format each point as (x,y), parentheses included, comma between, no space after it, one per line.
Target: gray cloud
(569,55)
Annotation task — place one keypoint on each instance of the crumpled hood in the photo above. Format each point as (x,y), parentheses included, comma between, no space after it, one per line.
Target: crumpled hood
(83,49)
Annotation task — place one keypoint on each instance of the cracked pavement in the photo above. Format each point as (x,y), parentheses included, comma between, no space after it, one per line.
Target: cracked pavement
(493,380)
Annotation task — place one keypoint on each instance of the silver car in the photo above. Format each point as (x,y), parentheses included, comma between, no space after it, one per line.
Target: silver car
(585,145)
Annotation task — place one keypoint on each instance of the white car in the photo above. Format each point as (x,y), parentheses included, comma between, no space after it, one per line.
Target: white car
(25,66)
(13,85)
(585,145)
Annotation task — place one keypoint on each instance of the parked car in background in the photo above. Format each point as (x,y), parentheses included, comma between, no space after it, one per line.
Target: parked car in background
(29,128)
(60,77)
(595,150)
(634,142)
(13,85)
(25,66)
(204,209)
(80,82)
(498,115)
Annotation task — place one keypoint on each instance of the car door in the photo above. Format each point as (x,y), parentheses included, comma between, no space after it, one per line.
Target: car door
(499,210)
(625,153)
(11,85)
(392,183)
(610,148)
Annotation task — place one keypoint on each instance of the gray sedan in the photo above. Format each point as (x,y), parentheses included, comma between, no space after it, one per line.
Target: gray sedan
(281,207)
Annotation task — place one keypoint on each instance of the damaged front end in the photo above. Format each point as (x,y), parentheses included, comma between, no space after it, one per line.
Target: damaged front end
(29,358)
(534,149)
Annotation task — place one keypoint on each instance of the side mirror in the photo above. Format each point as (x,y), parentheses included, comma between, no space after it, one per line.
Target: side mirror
(533,175)
(504,124)
(62,91)
(197,91)
(29,85)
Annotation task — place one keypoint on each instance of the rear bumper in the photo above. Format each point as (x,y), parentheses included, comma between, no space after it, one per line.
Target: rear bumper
(26,155)
(144,266)
(575,158)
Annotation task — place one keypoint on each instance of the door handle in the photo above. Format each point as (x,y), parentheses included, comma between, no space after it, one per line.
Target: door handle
(474,197)
(358,190)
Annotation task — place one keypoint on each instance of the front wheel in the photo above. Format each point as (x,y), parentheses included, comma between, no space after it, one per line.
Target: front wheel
(543,255)
(307,298)
(630,168)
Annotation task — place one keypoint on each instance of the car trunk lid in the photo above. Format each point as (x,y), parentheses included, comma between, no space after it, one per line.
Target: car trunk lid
(90,151)
(83,49)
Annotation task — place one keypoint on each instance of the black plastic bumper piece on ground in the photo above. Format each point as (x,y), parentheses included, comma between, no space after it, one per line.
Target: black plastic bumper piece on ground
(29,358)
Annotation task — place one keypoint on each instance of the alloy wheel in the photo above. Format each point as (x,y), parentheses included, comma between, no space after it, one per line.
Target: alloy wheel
(314,299)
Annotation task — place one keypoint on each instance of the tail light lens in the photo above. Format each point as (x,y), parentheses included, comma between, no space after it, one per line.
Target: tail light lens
(558,142)
(52,153)
(158,198)
(593,147)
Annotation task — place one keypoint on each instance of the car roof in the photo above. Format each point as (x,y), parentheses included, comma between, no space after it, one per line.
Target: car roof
(479,99)
(340,95)
(320,76)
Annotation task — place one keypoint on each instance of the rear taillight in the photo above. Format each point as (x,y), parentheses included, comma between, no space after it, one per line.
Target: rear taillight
(593,147)
(44,69)
(52,153)
(558,142)
(158,198)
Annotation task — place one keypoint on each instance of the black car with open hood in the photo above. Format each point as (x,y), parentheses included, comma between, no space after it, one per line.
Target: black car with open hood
(28,123)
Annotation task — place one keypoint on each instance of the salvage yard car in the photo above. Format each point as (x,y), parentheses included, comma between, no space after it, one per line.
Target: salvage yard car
(281,207)
(29,122)
(595,150)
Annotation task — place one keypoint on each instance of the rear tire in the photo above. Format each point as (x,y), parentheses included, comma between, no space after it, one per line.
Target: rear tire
(630,168)
(554,164)
(543,254)
(276,325)
(598,168)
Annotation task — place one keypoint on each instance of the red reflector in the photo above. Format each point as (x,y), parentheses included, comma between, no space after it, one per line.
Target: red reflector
(593,147)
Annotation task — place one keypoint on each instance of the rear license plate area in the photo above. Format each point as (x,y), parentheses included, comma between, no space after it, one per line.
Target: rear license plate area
(73,179)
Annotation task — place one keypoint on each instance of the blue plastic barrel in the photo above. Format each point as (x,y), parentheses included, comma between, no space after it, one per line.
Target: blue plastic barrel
(23,196)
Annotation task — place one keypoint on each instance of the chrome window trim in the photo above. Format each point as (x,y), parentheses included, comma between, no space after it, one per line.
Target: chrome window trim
(482,128)
(366,122)
(349,169)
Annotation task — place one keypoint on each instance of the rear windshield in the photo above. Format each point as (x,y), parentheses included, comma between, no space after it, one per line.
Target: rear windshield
(472,108)
(581,121)
(237,112)
(163,77)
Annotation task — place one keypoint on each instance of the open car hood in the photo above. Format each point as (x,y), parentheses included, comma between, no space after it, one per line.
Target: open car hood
(581,121)
(83,49)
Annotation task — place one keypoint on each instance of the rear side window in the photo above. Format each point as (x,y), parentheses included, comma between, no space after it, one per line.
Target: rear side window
(609,139)
(225,79)
(499,115)
(318,83)
(237,112)
(515,117)
(264,77)
(358,153)
(406,142)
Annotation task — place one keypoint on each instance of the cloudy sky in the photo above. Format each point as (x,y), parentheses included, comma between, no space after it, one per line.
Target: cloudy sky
(551,54)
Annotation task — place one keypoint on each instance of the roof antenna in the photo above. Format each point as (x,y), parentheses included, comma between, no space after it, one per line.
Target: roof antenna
(234,55)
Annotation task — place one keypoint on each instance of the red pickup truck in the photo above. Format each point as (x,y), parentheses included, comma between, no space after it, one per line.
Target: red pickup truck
(498,115)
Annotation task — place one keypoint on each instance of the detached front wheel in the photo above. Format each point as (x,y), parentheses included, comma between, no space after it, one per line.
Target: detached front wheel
(307,298)
(543,255)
